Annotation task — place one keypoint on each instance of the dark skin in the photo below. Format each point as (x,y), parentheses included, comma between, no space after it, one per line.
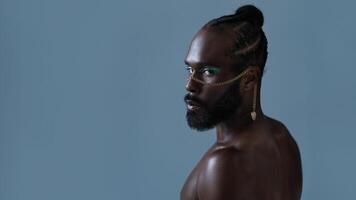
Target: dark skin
(250,160)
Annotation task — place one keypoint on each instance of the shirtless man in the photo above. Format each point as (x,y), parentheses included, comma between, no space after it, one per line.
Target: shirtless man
(254,156)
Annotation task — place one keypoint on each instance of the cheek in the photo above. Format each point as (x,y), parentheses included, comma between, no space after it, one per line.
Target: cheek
(210,95)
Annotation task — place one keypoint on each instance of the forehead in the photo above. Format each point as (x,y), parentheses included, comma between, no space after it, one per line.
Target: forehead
(210,47)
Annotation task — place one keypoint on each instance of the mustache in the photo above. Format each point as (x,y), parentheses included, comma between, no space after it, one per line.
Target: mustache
(195,99)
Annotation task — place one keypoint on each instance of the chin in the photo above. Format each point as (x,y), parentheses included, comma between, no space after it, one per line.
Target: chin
(200,121)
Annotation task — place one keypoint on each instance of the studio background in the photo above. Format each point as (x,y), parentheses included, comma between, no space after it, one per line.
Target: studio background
(91,95)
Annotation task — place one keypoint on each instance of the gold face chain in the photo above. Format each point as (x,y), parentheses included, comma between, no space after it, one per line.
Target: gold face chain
(221,83)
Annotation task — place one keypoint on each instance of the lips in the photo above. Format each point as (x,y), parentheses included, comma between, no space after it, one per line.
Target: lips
(192,105)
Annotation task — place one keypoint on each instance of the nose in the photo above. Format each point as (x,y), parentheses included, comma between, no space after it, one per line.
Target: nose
(192,86)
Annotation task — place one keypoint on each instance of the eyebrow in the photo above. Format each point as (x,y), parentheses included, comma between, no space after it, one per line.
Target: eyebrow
(199,64)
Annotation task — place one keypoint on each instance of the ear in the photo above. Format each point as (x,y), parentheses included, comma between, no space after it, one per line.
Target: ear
(250,79)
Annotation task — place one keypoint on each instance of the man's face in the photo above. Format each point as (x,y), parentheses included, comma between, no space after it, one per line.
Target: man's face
(208,58)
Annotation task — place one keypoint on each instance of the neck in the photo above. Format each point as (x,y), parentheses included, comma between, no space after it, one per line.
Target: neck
(238,123)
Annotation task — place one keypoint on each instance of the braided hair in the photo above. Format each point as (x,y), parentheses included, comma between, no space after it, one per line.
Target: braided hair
(250,42)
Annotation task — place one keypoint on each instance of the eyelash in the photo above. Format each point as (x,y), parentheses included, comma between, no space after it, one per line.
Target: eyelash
(189,69)
(205,69)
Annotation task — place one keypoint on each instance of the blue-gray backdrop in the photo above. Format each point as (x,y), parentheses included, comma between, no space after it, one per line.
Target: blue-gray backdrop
(91,95)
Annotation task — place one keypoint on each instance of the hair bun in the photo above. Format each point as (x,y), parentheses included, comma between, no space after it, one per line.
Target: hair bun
(251,14)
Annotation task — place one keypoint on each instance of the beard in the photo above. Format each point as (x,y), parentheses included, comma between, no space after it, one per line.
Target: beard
(204,118)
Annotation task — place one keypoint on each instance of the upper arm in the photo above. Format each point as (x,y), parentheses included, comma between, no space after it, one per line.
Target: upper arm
(228,174)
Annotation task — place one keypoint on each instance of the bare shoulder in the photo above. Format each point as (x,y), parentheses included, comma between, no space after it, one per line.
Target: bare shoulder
(227,173)
(226,157)
(265,164)
(222,162)
(281,133)
(290,158)
(278,127)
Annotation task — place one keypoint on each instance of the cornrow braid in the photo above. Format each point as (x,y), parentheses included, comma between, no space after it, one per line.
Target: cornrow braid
(250,42)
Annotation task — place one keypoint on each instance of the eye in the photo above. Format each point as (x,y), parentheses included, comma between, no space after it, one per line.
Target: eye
(210,71)
(189,69)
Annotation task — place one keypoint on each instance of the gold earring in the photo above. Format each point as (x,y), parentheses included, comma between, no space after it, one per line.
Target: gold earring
(253,113)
